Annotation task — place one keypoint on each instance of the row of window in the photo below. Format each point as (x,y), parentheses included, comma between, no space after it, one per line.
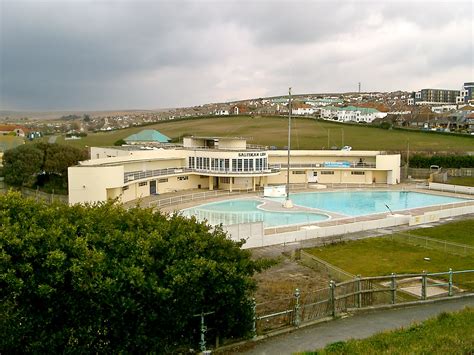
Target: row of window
(220,164)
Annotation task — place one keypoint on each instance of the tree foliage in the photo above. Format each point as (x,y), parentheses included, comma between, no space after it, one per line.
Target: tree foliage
(444,161)
(23,164)
(104,279)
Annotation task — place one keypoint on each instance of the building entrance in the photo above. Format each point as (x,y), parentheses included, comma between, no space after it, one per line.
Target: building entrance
(153,187)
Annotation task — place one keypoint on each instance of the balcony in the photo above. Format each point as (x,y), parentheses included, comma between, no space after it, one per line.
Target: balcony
(139,175)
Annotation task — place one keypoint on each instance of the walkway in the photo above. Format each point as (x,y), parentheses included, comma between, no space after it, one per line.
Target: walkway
(357,327)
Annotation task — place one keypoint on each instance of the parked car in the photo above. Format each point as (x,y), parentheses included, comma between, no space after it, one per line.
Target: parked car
(346,148)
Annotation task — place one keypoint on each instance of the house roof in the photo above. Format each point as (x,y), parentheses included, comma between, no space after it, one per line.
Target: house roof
(11,128)
(352,108)
(148,135)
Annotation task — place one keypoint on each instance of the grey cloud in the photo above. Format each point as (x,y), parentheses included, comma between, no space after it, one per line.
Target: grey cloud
(148,54)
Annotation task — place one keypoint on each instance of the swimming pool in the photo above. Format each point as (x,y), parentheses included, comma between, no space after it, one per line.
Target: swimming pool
(359,203)
(346,203)
(246,211)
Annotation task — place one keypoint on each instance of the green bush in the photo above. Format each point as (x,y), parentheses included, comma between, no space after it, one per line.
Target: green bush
(444,161)
(101,279)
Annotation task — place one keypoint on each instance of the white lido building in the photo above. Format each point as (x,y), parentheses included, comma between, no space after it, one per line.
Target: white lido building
(224,163)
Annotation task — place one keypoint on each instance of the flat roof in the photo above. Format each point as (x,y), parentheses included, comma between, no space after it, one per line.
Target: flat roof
(112,161)
(217,138)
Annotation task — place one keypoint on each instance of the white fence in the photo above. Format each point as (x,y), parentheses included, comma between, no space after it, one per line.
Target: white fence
(199,196)
(451,188)
(302,233)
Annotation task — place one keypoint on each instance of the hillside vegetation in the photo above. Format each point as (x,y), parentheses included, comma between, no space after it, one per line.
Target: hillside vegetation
(306,134)
(449,333)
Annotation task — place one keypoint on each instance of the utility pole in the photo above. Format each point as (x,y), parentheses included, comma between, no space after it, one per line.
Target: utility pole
(408,157)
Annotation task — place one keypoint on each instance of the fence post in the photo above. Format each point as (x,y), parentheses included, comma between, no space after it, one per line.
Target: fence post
(254,318)
(423,285)
(203,329)
(359,294)
(332,286)
(296,321)
(450,282)
(394,288)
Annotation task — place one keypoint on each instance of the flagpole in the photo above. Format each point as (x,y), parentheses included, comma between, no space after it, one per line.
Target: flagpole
(288,203)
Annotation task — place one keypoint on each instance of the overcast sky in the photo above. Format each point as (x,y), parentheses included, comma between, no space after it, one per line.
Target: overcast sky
(88,55)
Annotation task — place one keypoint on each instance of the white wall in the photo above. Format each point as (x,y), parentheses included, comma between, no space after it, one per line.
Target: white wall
(90,184)
(390,163)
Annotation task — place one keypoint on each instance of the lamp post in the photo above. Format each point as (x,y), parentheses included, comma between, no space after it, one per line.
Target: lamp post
(288,203)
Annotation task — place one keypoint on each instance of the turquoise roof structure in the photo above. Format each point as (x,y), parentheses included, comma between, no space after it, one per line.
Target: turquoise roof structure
(148,135)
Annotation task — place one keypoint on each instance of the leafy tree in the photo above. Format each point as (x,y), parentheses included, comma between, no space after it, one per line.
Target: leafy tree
(119,142)
(101,279)
(22,164)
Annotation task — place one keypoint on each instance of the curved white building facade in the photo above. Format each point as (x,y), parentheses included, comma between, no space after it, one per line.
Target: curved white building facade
(218,163)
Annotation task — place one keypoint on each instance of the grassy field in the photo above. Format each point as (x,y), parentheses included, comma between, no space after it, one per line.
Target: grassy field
(449,333)
(457,232)
(306,134)
(382,256)
(464,181)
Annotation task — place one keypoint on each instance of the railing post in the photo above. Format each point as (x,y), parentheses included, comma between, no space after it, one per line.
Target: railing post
(296,321)
(332,295)
(450,282)
(393,288)
(254,318)
(359,293)
(423,285)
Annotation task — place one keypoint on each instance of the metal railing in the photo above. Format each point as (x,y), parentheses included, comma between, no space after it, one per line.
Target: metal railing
(199,196)
(329,166)
(139,175)
(360,293)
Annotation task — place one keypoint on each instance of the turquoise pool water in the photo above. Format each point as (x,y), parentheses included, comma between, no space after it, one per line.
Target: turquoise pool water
(349,203)
(245,211)
(359,203)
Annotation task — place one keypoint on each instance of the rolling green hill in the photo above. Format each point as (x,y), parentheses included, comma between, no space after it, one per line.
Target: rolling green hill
(306,134)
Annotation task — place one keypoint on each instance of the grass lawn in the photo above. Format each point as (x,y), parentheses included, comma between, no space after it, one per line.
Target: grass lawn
(449,333)
(458,232)
(463,181)
(306,134)
(382,256)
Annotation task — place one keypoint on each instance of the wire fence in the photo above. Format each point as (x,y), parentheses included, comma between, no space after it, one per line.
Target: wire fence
(435,244)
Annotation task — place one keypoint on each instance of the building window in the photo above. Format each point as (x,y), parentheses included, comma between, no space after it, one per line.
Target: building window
(326,172)
(183,178)
(191,162)
(298,172)
(144,183)
(162,180)
(239,164)
(246,165)
(225,180)
(234,164)
(125,188)
(357,172)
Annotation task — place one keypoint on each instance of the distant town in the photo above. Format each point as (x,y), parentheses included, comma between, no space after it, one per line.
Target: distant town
(427,109)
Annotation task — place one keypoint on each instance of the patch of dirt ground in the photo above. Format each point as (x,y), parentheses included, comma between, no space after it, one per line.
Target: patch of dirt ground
(277,285)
